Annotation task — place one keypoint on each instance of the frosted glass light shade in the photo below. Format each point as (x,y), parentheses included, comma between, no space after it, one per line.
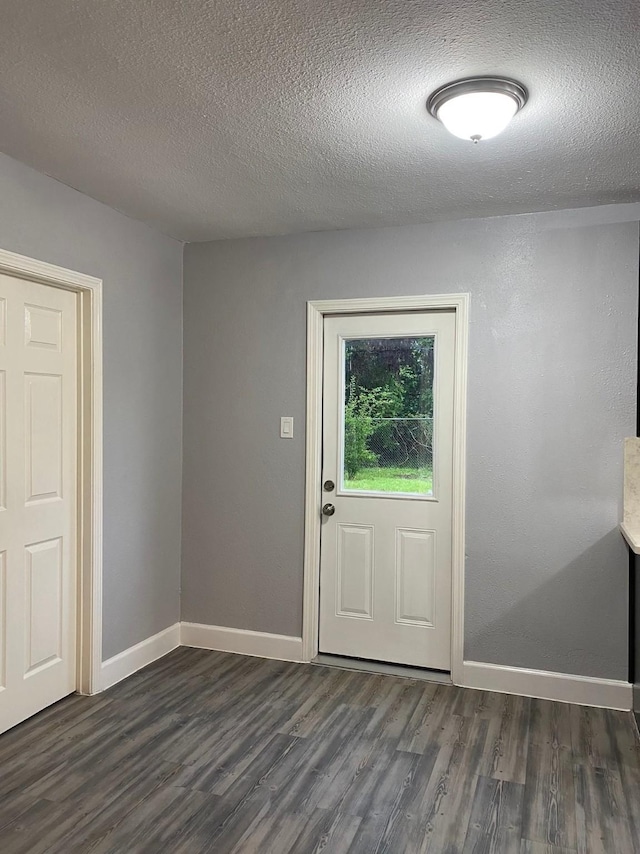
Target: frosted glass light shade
(477,108)
(477,115)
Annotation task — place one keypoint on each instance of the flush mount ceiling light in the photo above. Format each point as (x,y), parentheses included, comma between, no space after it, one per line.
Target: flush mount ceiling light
(478,107)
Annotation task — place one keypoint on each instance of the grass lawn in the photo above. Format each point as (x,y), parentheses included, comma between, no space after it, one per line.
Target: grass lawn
(392,480)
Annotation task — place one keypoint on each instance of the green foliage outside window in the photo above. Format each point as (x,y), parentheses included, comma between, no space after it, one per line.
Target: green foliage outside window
(388,403)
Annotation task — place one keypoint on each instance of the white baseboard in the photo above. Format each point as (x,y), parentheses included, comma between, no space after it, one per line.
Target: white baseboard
(136,657)
(546,685)
(243,641)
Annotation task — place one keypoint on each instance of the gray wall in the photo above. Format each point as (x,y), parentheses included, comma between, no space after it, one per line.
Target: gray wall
(552,370)
(142,274)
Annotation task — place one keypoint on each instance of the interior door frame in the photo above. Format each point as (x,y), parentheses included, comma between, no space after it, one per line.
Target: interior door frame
(89,290)
(317,310)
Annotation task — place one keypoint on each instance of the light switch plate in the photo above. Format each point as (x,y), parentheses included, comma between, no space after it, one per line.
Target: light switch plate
(286,427)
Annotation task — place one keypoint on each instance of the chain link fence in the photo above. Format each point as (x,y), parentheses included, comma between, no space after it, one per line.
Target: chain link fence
(402,442)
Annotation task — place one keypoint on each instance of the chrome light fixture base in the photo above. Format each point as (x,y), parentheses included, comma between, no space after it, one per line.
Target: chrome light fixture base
(501,85)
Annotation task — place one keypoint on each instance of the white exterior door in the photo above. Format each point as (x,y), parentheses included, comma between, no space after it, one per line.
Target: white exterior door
(385,565)
(38,497)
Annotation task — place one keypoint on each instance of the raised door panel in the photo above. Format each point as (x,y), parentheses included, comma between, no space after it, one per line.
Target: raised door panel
(43,327)
(355,571)
(415,577)
(43,624)
(44,432)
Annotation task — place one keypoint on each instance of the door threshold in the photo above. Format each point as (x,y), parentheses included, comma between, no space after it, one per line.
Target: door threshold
(364,665)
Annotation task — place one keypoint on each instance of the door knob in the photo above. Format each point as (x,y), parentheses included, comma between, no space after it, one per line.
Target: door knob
(328,510)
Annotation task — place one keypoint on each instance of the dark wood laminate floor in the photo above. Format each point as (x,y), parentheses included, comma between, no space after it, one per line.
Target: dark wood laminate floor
(210,752)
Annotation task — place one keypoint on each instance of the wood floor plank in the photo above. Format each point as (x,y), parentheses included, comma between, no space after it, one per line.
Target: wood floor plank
(549,813)
(117,751)
(13,806)
(168,817)
(602,822)
(393,829)
(78,824)
(245,820)
(592,737)
(224,826)
(428,720)
(507,743)
(372,761)
(628,767)
(247,755)
(496,817)
(437,807)
(482,704)
(274,832)
(456,789)
(550,723)
(529,847)
(302,782)
(373,786)
(52,724)
(327,694)
(323,831)
(22,835)
(238,781)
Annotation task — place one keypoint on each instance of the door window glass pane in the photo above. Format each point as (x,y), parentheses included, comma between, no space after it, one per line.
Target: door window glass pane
(388,415)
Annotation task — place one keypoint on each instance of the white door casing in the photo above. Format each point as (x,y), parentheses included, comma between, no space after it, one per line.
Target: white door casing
(38,496)
(386,568)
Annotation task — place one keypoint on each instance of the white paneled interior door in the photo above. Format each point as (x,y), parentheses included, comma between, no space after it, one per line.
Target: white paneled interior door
(38,497)
(385,565)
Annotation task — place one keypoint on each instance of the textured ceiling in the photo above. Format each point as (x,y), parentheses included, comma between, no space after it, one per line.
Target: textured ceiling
(224,119)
